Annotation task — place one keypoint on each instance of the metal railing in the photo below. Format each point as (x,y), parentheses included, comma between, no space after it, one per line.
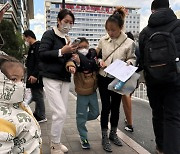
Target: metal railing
(141,92)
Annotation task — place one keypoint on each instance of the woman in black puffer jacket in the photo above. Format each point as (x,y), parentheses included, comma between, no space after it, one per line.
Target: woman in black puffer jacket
(55,50)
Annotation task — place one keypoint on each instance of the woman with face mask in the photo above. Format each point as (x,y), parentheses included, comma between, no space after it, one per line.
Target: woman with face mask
(54,52)
(17,123)
(85,86)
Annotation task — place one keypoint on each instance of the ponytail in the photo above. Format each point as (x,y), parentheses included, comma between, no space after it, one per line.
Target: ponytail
(118,16)
(121,11)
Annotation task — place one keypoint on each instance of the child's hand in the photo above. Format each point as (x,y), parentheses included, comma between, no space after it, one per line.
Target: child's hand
(76,58)
(72,69)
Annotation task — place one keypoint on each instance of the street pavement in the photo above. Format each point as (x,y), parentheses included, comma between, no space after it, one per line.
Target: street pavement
(70,136)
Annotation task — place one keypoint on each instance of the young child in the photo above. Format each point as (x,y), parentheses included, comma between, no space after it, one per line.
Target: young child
(19,131)
(85,86)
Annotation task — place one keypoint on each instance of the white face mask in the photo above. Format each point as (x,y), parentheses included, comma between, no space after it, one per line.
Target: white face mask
(27,43)
(65,28)
(83,51)
(11,92)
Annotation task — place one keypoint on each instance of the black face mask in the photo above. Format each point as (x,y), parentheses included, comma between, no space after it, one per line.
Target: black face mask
(1,41)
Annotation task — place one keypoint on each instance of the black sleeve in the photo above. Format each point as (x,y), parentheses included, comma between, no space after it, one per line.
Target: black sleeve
(45,50)
(35,72)
(141,51)
(88,62)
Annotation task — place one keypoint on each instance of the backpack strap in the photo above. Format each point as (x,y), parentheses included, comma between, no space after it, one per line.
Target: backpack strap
(174,25)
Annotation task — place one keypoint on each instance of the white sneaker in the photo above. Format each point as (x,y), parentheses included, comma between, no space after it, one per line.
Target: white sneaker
(63,148)
(56,148)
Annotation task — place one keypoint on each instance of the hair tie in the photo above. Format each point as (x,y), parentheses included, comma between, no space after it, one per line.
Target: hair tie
(116,12)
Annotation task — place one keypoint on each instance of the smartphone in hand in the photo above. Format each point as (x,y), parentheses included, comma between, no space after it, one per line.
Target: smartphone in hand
(76,42)
(6,6)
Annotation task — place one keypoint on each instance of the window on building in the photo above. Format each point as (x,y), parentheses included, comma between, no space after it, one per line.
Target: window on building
(57,5)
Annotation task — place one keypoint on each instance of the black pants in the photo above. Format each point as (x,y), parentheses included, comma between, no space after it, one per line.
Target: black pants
(110,103)
(38,97)
(165,104)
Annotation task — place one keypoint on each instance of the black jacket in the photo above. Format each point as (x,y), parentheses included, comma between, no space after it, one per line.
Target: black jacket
(88,62)
(51,65)
(32,65)
(161,20)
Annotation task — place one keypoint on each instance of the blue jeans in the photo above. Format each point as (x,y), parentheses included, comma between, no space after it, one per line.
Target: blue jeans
(87,109)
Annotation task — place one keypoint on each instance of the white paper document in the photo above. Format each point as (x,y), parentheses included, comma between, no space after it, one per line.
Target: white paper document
(120,70)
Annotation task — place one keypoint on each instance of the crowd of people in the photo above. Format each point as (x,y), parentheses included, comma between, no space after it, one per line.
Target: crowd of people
(51,62)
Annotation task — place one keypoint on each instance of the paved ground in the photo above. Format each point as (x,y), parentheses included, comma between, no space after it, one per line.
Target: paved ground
(70,136)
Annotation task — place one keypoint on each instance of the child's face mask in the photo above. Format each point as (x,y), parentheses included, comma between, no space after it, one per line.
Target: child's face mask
(11,92)
(83,51)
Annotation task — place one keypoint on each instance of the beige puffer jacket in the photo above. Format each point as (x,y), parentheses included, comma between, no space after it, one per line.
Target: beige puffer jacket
(126,52)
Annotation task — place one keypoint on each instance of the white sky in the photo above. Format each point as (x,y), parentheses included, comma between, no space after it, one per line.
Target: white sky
(38,23)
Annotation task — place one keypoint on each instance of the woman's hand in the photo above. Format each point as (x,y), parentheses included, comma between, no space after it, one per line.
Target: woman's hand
(102,64)
(129,63)
(68,48)
(72,69)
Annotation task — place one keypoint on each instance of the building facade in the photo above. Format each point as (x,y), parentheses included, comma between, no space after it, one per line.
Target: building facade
(90,19)
(178,14)
(20,13)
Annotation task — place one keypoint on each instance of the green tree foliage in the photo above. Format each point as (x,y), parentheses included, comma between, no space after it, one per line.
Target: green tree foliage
(13,42)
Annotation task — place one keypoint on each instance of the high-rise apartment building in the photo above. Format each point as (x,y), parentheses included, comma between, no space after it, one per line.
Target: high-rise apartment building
(178,14)
(20,13)
(90,19)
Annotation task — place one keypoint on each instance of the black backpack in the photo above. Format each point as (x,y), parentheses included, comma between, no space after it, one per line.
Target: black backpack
(161,56)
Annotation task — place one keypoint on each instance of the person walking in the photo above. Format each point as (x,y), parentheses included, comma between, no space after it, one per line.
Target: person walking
(114,45)
(163,92)
(34,80)
(85,81)
(55,51)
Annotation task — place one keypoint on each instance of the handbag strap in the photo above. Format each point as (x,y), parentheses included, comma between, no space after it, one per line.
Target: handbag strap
(115,49)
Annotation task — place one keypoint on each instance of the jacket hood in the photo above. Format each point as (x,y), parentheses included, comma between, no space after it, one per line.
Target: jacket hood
(161,17)
(10,92)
